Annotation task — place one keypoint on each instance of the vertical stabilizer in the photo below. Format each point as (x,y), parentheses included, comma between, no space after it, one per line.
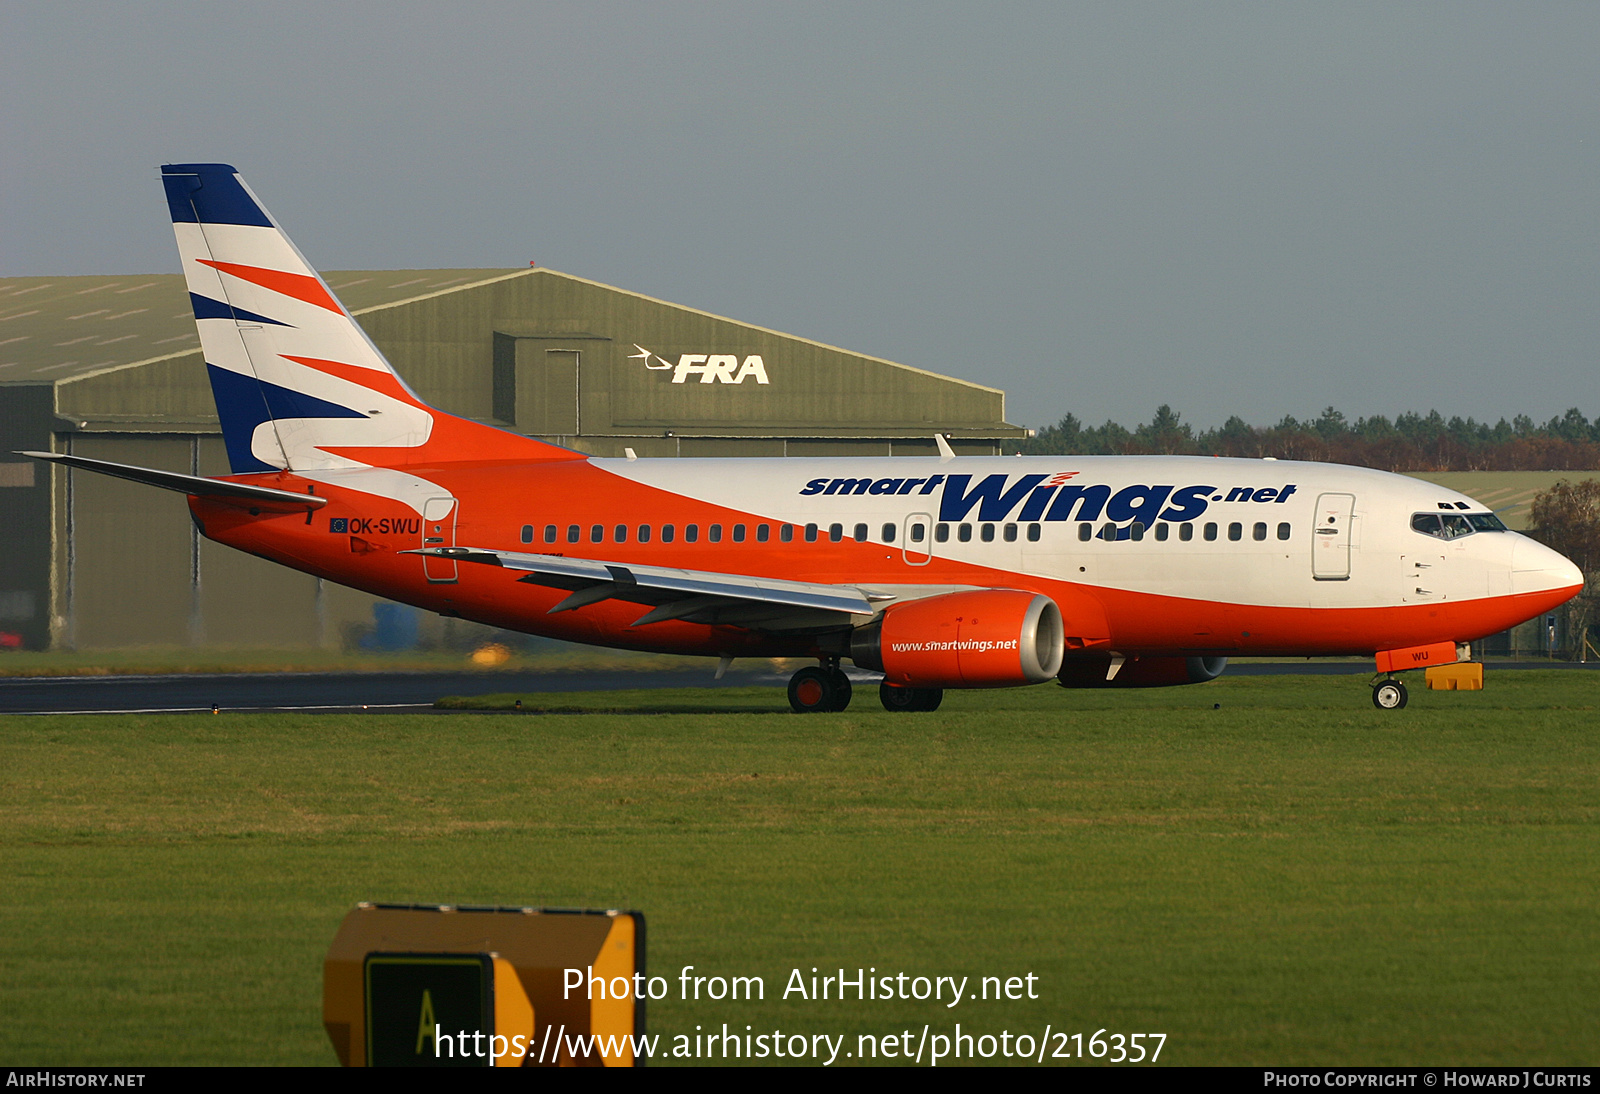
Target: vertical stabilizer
(298,384)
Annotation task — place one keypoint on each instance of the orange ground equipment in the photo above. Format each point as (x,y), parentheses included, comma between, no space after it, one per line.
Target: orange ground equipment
(1466,676)
(427,985)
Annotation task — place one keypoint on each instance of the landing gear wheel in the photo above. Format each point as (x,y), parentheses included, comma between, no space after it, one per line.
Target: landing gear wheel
(896,698)
(813,690)
(1389,695)
(810,691)
(841,688)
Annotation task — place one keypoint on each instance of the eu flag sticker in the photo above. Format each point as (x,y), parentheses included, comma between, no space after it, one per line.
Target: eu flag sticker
(339,524)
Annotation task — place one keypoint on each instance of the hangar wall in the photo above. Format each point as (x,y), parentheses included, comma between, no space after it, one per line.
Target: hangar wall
(599,369)
(143,575)
(26,512)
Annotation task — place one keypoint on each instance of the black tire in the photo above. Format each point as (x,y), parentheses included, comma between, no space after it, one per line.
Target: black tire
(896,698)
(1389,695)
(811,690)
(899,700)
(842,691)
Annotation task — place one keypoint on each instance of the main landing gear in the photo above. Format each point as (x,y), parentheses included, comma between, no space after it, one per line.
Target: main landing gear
(825,687)
(896,698)
(819,688)
(1389,694)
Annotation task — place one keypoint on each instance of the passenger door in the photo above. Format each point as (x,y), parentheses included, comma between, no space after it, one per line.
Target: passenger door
(916,541)
(1330,538)
(439,530)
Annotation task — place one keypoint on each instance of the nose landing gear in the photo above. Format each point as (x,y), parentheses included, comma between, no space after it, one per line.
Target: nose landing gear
(1389,694)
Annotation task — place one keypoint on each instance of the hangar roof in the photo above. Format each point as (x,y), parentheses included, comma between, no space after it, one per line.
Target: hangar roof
(532,350)
(56,328)
(112,321)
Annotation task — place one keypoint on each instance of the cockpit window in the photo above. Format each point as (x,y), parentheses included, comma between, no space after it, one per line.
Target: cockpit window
(1455,525)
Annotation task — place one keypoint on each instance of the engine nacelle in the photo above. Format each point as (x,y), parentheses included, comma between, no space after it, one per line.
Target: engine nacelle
(1139,671)
(988,638)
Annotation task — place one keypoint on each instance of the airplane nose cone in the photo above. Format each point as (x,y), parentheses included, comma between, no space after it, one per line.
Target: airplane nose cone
(1535,568)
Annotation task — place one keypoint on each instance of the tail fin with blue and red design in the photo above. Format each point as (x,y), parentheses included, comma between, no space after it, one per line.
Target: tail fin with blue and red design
(298,384)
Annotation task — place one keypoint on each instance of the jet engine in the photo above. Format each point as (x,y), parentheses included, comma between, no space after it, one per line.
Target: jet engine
(988,638)
(1139,671)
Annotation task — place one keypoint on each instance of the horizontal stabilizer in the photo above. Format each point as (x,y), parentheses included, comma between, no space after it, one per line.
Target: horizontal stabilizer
(233,493)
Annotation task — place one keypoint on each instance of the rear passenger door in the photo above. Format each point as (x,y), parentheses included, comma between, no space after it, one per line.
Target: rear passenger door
(439,530)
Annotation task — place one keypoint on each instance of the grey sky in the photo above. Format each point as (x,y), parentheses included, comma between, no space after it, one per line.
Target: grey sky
(1254,209)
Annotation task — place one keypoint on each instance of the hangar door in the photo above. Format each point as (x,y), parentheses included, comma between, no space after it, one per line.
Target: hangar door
(547,390)
(551,385)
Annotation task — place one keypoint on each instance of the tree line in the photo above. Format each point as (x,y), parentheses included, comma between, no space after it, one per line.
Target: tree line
(1410,442)
(1567,518)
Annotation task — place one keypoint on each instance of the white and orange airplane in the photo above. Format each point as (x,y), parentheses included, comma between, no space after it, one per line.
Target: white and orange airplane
(940,572)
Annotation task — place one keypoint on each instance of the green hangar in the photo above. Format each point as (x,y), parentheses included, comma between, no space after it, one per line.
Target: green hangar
(109,367)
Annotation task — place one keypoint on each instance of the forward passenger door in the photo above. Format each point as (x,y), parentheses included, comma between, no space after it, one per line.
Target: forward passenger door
(1330,538)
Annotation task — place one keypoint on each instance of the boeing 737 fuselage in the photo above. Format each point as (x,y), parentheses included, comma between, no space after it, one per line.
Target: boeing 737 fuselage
(940,572)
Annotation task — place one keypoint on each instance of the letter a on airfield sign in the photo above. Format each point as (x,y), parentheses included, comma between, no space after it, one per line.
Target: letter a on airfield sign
(412,998)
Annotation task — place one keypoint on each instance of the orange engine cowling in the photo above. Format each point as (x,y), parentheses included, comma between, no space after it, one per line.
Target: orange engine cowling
(989,638)
(1139,671)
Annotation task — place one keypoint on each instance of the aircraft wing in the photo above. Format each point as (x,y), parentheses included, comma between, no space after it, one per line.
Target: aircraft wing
(697,596)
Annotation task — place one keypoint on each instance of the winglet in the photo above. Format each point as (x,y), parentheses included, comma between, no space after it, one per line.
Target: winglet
(946,453)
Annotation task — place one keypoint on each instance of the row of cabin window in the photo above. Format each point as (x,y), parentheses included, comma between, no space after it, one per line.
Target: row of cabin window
(810,532)
(1185,531)
(941,532)
(691,533)
(1108,531)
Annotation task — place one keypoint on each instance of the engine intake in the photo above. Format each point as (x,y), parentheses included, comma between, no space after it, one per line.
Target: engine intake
(989,638)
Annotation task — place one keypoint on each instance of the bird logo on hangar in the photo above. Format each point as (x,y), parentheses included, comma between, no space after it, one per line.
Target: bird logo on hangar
(718,368)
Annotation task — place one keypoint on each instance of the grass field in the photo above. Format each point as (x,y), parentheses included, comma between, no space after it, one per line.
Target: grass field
(1291,877)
